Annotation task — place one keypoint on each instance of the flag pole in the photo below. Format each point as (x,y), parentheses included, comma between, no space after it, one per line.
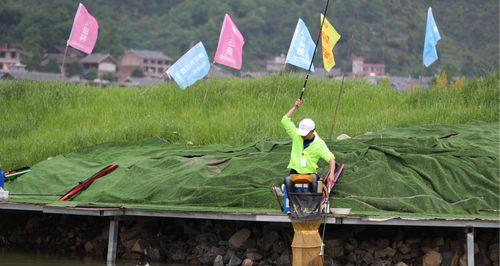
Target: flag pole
(64,61)
(334,119)
(421,74)
(314,53)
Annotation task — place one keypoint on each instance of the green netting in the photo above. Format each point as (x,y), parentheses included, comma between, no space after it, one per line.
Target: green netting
(425,171)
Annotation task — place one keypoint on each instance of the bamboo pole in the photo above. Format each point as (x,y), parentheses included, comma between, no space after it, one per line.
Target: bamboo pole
(64,61)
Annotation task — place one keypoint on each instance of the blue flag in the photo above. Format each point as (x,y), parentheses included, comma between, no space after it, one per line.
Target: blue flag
(191,67)
(302,47)
(432,37)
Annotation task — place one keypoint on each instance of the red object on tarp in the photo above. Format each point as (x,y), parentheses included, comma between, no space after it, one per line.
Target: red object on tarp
(331,183)
(85,184)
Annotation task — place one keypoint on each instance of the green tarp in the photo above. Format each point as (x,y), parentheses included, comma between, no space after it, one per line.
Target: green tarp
(425,171)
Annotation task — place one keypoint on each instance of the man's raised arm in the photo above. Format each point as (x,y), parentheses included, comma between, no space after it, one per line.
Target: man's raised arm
(296,106)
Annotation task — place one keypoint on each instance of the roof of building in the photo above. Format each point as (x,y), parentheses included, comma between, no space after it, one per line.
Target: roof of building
(97,58)
(5,47)
(146,54)
(56,54)
(62,49)
(407,83)
(33,75)
(373,65)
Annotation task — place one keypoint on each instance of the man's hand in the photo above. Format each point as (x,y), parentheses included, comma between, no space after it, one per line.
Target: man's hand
(296,106)
(298,103)
(332,171)
(330,177)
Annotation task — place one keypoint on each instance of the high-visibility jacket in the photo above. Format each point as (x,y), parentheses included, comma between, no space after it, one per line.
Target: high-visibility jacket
(305,161)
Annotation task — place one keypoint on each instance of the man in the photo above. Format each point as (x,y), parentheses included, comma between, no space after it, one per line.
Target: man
(307,148)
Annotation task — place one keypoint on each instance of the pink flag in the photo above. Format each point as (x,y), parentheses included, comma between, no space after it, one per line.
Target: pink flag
(230,48)
(84,32)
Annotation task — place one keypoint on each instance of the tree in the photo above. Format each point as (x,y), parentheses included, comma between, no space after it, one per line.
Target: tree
(32,48)
(109,77)
(442,80)
(74,69)
(392,34)
(91,74)
(52,67)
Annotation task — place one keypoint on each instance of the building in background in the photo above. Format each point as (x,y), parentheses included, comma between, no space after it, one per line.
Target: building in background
(361,69)
(21,74)
(55,55)
(276,64)
(8,57)
(151,64)
(409,83)
(103,63)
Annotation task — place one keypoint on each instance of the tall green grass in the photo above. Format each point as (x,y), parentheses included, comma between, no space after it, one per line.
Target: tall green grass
(39,120)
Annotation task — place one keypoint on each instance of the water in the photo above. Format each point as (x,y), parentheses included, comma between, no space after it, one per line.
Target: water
(29,258)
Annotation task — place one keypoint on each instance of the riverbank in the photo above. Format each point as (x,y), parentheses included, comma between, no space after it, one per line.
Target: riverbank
(208,242)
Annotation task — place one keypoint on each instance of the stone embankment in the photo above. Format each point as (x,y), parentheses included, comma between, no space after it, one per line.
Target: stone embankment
(218,243)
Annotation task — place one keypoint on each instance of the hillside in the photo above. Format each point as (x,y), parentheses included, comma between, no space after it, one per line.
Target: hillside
(389,32)
(40,120)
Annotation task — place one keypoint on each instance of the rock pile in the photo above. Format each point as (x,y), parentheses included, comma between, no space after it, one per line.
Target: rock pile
(218,243)
(206,242)
(409,246)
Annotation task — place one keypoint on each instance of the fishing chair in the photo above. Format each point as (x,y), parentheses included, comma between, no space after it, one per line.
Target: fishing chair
(304,183)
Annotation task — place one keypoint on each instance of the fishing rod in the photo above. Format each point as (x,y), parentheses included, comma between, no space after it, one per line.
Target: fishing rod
(83,185)
(334,119)
(13,174)
(314,53)
(34,195)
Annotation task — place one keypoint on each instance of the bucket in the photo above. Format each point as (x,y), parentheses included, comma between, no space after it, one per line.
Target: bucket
(306,244)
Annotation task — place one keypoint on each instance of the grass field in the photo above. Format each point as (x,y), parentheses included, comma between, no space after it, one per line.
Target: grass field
(39,120)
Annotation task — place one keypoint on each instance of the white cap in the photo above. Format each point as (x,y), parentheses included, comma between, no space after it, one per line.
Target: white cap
(305,126)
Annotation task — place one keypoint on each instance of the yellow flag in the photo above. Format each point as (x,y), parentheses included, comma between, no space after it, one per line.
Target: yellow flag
(329,37)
